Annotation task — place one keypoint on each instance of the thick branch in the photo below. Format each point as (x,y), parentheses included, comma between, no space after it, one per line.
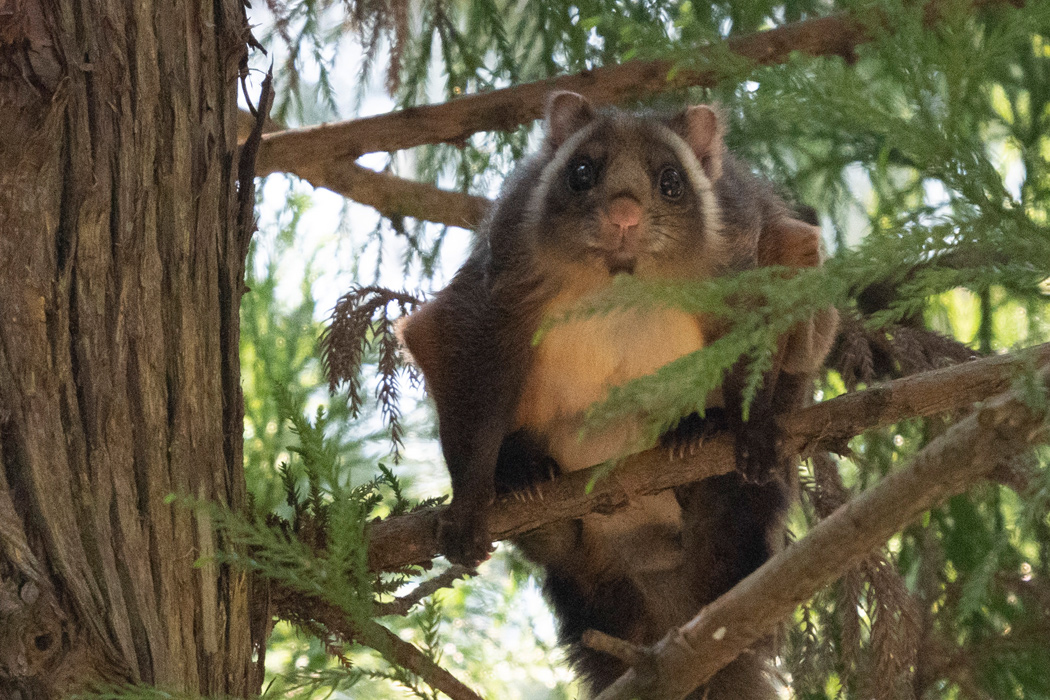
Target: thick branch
(506,109)
(308,151)
(830,424)
(324,155)
(411,538)
(965,454)
(396,196)
(246,122)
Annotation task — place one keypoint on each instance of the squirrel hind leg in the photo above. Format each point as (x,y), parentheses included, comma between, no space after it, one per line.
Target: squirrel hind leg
(732,527)
(614,605)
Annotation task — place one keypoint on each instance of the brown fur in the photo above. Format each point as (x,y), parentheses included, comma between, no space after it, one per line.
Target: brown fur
(597,200)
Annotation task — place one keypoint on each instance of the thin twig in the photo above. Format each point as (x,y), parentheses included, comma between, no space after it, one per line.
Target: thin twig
(407,656)
(401,606)
(247,162)
(311,613)
(630,654)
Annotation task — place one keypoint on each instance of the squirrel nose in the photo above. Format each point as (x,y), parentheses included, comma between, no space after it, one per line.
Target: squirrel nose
(621,233)
(624,213)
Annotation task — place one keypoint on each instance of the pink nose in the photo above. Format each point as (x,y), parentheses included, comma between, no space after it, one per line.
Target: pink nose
(624,213)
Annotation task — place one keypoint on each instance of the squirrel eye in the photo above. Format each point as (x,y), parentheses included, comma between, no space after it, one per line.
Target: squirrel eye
(670,183)
(582,175)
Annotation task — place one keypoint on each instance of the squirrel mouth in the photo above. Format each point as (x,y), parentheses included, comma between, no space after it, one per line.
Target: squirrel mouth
(618,265)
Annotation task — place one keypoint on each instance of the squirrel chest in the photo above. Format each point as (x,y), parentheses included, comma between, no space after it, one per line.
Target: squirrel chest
(576,364)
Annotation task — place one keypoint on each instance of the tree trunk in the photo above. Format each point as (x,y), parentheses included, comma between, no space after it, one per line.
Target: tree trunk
(121,270)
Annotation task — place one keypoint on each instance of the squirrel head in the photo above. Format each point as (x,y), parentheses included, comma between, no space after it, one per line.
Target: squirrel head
(620,193)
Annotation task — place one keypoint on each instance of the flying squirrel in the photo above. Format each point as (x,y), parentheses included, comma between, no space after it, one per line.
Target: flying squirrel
(611,193)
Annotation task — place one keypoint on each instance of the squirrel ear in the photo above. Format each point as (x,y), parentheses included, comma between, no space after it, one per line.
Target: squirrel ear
(567,113)
(702,129)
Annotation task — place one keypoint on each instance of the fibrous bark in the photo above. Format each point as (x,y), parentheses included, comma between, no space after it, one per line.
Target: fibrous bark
(121,270)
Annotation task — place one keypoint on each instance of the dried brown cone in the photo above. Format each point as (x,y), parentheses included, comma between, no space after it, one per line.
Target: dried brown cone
(895,633)
(361,321)
(885,668)
(863,355)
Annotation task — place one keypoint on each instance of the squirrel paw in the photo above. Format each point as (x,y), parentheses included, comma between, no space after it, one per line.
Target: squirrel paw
(523,465)
(757,452)
(463,536)
(692,431)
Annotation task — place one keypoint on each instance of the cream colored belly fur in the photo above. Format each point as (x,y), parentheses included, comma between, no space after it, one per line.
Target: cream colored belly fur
(575,365)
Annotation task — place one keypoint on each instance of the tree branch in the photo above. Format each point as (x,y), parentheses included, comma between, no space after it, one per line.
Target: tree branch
(401,606)
(396,196)
(311,612)
(508,108)
(830,424)
(407,656)
(324,155)
(963,455)
(408,539)
(630,654)
(246,123)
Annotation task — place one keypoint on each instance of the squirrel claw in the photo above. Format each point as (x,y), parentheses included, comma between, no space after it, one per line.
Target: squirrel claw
(692,431)
(463,535)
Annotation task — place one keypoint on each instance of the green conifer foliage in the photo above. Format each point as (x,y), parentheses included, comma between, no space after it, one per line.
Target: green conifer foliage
(925,151)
